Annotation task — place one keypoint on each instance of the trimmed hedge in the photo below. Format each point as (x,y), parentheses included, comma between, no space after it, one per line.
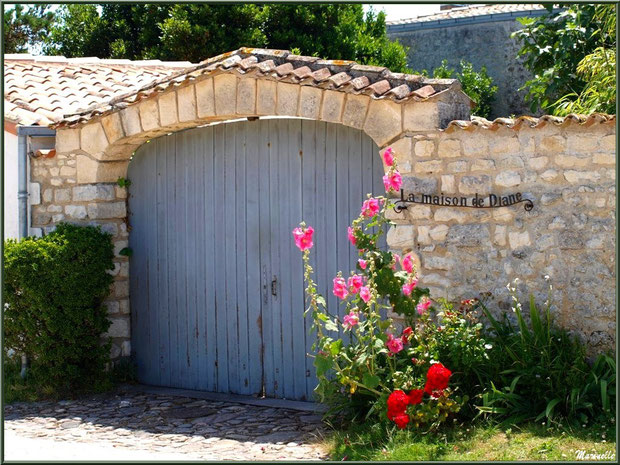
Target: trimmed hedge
(54,313)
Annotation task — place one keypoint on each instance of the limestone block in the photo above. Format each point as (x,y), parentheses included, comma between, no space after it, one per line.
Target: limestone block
(475,184)
(570,240)
(112,307)
(418,212)
(186,103)
(482,164)
(423,235)
(34,190)
(119,328)
(56,181)
(246,97)
(604,158)
(508,179)
(124,306)
(93,139)
(67,171)
(121,192)
(287,99)
(266,97)
(126,348)
(582,143)
(355,110)
(552,144)
(457,166)
(421,116)
(475,145)
(512,161)
(58,217)
(90,192)
(573,176)
(499,237)
(519,239)
(54,208)
(608,144)
(401,237)
(500,144)
(383,121)
(149,114)
(130,117)
(225,88)
(570,161)
(91,171)
(538,163)
(121,288)
(168,108)
(333,104)
(557,223)
(468,235)
(120,245)
(54,171)
(424,148)
(448,214)
(205,101)
(448,184)
(113,127)
(431,166)
(47,195)
(105,210)
(432,262)
(439,232)
(310,102)
(77,212)
(549,175)
(450,148)
(62,195)
(436,279)
(67,140)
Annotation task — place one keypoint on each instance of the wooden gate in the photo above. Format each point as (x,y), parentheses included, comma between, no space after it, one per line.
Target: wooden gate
(217,292)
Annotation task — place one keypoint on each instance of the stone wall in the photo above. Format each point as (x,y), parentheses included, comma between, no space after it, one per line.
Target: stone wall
(103,204)
(569,174)
(483,44)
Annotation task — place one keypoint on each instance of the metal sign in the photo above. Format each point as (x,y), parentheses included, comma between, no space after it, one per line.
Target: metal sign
(478,201)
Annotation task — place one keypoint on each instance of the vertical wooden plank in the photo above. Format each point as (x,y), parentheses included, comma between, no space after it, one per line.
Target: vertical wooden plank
(200,365)
(310,199)
(211,343)
(254,275)
(230,257)
(240,255)
(219,203)
(271,313)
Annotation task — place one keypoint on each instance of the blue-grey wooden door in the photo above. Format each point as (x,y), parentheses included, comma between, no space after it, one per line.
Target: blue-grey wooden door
(216,283)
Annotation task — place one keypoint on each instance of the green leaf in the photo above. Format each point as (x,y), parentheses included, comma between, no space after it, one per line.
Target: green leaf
(371,381)
(322,364)
(335,347)
(331,325)
(550,406)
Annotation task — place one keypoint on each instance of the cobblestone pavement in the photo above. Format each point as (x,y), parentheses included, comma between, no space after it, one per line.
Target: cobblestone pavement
(152,423)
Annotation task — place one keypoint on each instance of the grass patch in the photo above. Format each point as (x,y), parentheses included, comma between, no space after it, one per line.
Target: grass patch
(33,388)
(478,442)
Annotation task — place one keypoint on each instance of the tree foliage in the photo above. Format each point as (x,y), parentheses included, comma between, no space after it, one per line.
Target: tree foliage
(478,85)
(195,32)
(23,25)
(571,53)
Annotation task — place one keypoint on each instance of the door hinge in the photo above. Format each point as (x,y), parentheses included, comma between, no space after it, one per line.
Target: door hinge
(274,286)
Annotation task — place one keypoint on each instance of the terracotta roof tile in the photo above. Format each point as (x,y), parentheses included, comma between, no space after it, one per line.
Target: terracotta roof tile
(57,91)
(531,122)
(469,11)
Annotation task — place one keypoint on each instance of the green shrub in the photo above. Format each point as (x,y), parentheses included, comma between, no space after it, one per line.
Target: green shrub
(54,288)
(539,372)
(478,85)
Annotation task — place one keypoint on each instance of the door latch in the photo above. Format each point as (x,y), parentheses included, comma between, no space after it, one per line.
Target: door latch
(274,286)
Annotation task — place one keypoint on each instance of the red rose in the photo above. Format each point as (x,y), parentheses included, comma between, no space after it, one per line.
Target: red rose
(406,333)
(397,403)
(401,420)
(437,378)
(415,396)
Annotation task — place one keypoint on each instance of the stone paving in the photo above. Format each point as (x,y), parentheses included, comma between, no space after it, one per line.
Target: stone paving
(197,429)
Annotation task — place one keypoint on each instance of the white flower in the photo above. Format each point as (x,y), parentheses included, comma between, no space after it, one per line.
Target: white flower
(488,346)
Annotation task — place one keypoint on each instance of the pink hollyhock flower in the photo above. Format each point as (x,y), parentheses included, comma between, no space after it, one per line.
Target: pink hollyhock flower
(362,263)
(423,305)
(396,261)
(407,332)
(350,320)
(303,238)
(388,156)
(394,344)
(409,286)
(340,288)
(392,181)
(365,293)
(355,283)
(408,263)
(370,207)
(350,235)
